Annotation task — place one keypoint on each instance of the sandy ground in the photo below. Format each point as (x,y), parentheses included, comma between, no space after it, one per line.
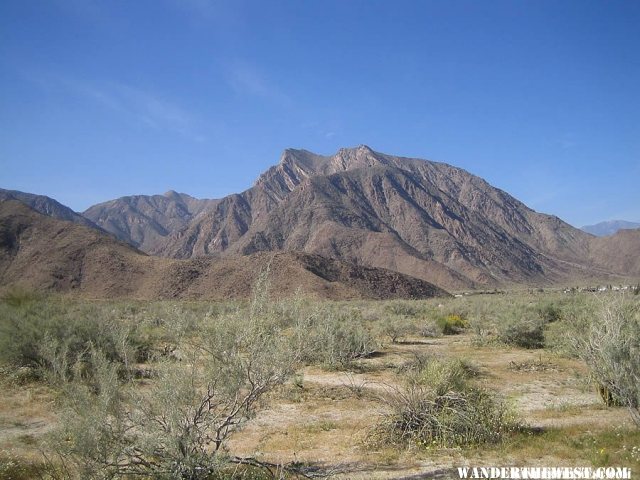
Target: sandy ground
(325,416)
(326,419)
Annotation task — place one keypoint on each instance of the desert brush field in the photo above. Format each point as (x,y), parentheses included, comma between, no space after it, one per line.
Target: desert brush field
(299,388)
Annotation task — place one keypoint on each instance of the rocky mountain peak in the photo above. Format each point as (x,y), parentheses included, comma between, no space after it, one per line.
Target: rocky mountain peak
(172,194)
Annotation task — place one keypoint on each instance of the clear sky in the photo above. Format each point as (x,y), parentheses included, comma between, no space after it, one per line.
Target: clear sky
(105,98)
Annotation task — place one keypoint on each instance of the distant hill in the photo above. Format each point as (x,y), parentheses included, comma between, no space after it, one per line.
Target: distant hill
(47,254)
(604,229)
(46,206)
(620,252)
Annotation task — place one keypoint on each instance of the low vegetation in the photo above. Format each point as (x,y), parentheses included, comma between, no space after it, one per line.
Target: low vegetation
(610,345)
(160,390)
(437,407)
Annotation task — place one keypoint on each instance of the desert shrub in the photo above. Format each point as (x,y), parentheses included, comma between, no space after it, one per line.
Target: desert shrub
(451,324)
(334,338)
(18,296)
(428,329)
(523,332)
(177,426)
(611,348)
(438,407)
(397,328)
(549,312)
(37,334)
(13,467)
(404,308)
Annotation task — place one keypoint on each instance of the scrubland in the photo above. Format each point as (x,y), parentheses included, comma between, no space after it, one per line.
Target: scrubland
(298,388)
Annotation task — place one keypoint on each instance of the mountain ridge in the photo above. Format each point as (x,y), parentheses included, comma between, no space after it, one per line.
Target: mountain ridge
(47,254)
(425,219)
(609,227)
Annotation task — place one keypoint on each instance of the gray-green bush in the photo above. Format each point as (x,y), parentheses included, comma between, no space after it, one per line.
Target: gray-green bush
(334,338)
(610,345)
(177,424)
(50,334)
(520,325)
(438,407)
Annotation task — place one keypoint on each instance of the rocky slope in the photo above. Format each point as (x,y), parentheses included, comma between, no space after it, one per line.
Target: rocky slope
(425,219)
(620,252)
(422,218)
(145,221)
(46,254)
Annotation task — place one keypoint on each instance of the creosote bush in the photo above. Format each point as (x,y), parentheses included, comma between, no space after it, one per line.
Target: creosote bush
(438,408)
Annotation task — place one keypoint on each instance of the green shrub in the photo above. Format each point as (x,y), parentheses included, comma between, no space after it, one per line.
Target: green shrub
(397,328)
(178,425)
(523,334)
(404,308)
(437,407)
(18,296)
(549,312)
(334,339)
(14,468)
(50,335)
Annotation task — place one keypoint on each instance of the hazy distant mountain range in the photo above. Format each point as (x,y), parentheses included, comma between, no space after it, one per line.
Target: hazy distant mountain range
(610,227)
(358,209)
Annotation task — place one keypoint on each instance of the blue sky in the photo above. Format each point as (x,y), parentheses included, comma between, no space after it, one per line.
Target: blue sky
(100,99)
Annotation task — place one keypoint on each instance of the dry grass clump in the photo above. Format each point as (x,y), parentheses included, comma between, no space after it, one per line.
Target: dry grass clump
(437,407)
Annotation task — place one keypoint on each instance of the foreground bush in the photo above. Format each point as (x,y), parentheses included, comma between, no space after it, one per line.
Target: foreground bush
(175,425)
(437,407)
(611,348)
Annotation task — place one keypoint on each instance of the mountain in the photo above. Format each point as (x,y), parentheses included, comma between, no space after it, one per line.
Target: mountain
(620,252)
(604,229)
(46,206)
(366,209)
(47,254)
(145,221)
(425,219)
